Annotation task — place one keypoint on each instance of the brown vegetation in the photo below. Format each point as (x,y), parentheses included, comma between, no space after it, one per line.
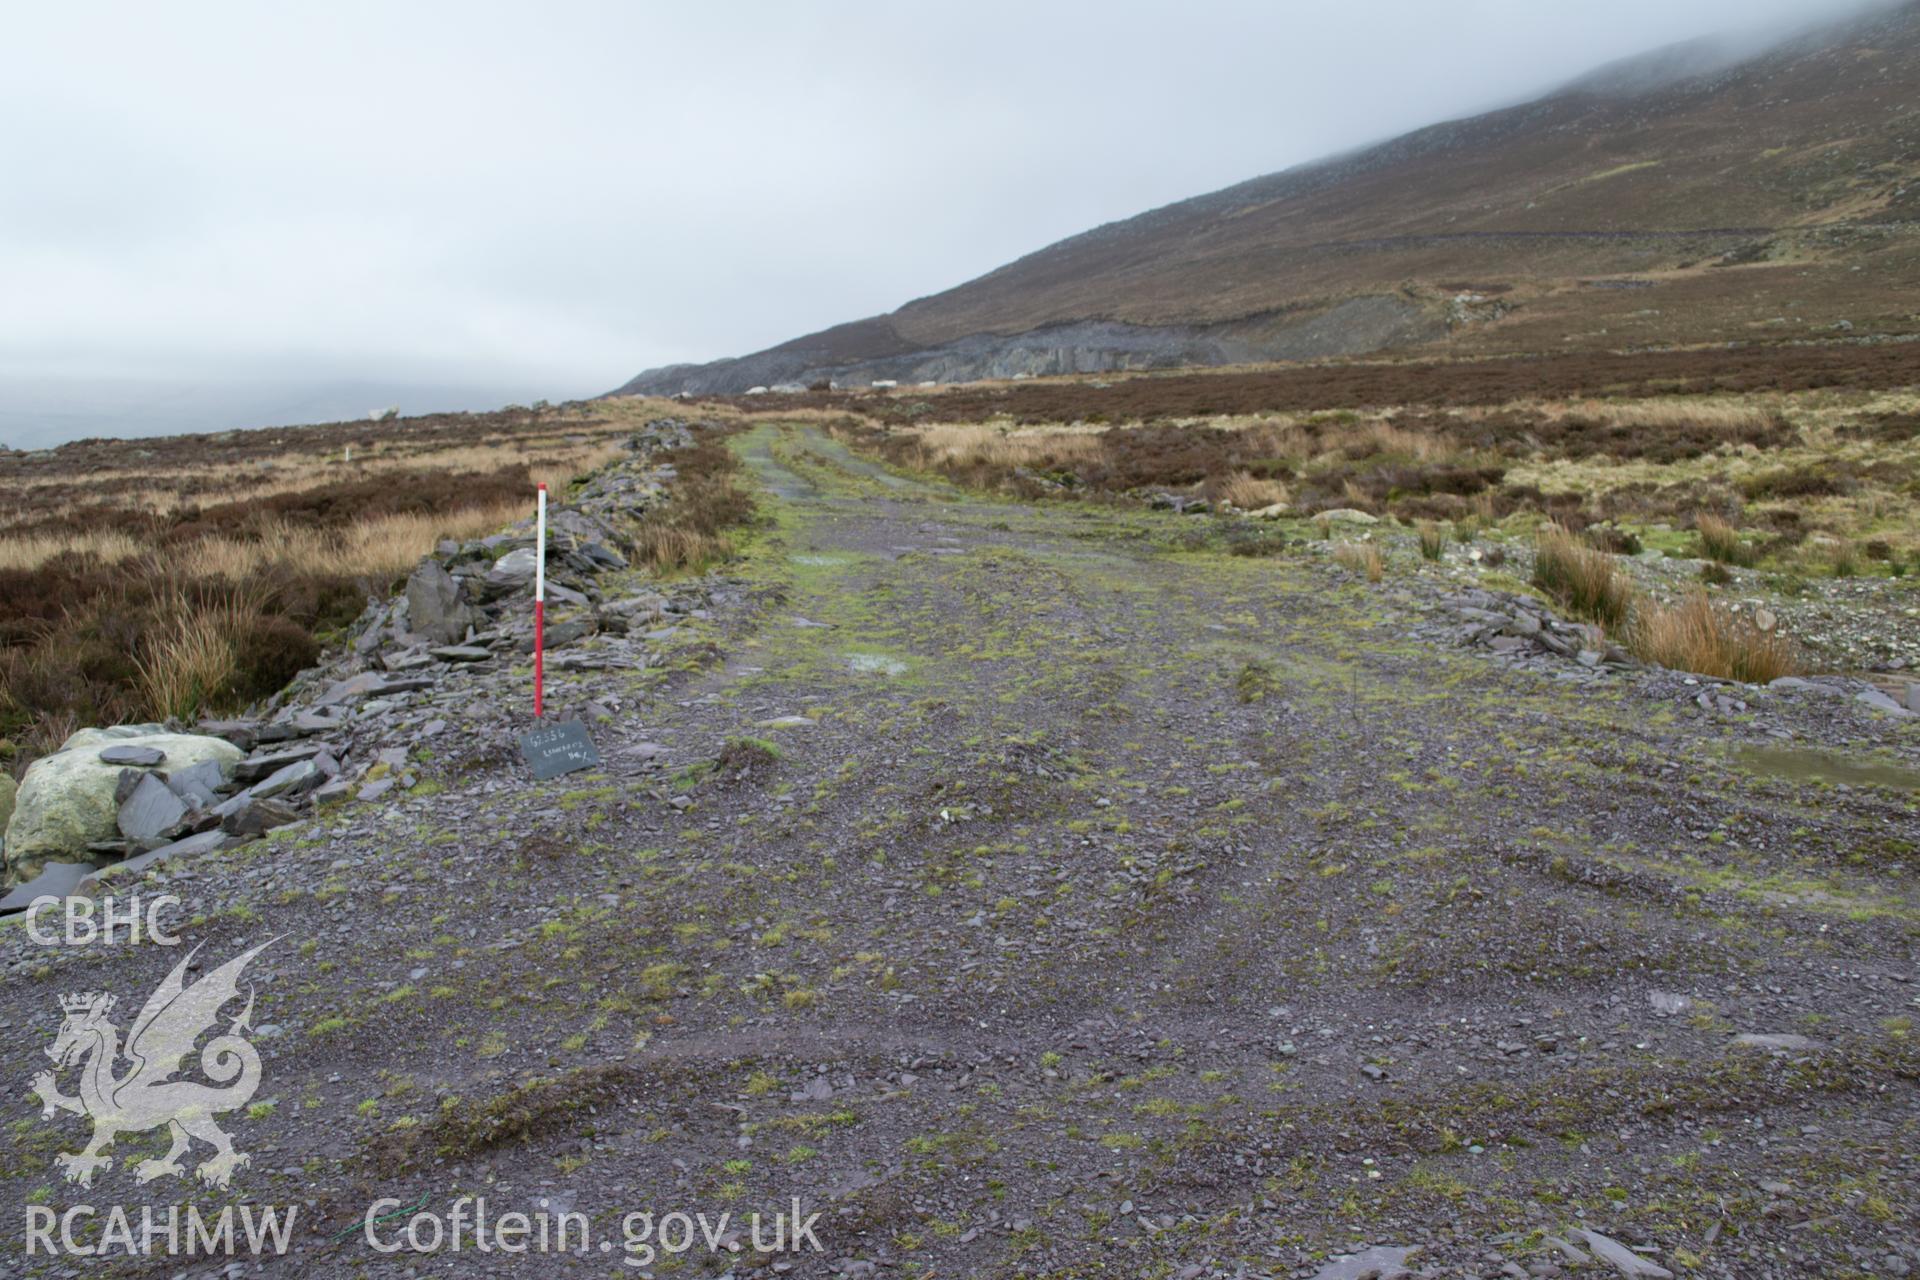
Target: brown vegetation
(1362,558)
(1720,541)
(1583,579)
(691,530)
(163,577)
(1701,636)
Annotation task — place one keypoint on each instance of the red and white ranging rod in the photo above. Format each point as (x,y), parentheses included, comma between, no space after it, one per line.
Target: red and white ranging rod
(539,603)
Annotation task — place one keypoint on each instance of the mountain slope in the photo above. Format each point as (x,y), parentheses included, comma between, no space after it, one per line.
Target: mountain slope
(1743,190)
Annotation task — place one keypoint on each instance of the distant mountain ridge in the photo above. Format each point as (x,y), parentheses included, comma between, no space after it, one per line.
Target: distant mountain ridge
(1712,191)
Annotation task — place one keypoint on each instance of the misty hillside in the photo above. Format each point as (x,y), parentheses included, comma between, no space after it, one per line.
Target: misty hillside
(1694,194)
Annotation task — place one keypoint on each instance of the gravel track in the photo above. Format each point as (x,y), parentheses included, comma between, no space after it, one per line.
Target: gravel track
(1114,907)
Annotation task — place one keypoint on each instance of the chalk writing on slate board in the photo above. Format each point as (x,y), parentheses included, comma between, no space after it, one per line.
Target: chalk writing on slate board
(562,747)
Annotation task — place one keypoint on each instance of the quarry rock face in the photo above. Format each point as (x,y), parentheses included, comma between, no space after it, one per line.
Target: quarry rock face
(67,800)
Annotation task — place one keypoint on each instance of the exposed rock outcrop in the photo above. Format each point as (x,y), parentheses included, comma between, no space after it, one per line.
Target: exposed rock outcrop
(1353,327)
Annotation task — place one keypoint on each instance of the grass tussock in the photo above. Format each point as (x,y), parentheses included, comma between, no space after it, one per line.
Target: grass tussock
(1255,683)
(1720,541)
(1584,580)
(1362,558)
(192,657)
(1249,492)
(1701,636)
(1433,540)
(1843,559)
(146,640)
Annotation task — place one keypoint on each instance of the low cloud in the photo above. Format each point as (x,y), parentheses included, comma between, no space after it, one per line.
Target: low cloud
(482,194)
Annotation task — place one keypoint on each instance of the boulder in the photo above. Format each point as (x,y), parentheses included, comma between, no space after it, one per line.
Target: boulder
(66,801)
(512,571)
(1782,1043)
(257,817)
(435,608)
(560,634)
(1379,1261)
(241,733)
(1347,515)
(1880,701)
(296,779)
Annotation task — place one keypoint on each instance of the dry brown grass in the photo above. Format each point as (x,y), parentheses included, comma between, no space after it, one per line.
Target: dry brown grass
(182,575)
(33,550)
(380,548)
(195,653)
(1362,558)
(968,446)
(165,491)
(1703,637)
(1720,541)
(666,549)
(1726,414)
(691,529)
(1583,579)
(1249,492)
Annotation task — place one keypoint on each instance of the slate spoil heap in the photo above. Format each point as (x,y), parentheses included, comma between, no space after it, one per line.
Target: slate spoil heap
(435,662)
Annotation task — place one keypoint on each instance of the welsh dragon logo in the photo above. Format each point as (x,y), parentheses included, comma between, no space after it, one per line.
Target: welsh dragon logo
(145,1096)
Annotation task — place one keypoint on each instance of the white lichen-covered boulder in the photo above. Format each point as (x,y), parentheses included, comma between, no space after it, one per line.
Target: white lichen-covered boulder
(66,800)
(8,788)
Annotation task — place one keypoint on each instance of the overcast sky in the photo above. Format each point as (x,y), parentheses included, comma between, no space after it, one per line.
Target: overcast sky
(469,196)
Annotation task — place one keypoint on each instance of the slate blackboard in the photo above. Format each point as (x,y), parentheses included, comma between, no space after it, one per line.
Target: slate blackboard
(554,749)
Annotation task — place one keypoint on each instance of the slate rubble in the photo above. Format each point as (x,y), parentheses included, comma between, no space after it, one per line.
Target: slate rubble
(416,667)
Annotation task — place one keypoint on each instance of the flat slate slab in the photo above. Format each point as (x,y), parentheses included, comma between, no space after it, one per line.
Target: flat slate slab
(460,653)
(56,880)
(254,768)
(295,777)
(198,784)
(257,817)
(152,810)
(1777,1043)
(205,842)
(121,753)
(370,684)
(558,748)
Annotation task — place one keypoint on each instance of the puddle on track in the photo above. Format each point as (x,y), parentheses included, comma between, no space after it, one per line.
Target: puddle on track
(1801,764)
